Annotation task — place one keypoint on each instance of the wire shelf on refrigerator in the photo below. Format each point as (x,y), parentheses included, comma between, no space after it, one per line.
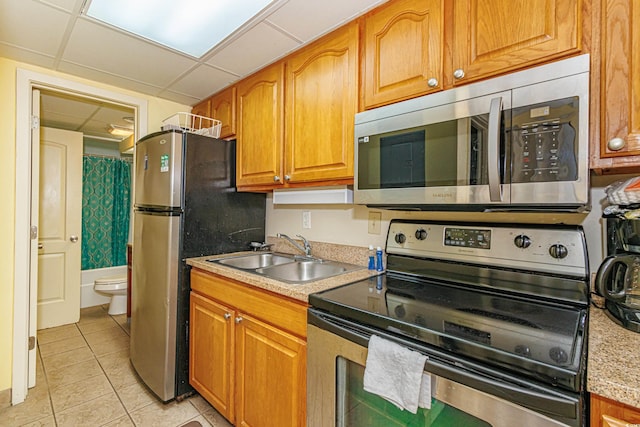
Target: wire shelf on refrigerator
(192,123)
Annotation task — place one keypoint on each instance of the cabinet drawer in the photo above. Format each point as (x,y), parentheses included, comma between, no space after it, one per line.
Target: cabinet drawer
(276,310)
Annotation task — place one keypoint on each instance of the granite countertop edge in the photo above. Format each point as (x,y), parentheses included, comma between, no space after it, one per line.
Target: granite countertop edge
(613,366)
(298,292)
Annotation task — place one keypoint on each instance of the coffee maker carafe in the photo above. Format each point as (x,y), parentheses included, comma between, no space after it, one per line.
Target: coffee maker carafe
(618,277)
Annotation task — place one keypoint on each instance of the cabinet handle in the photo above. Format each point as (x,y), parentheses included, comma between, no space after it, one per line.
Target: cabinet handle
(287,177)
(459,73)
(432,82)
(616,144)
(238,319)
(276,178)
(227,316)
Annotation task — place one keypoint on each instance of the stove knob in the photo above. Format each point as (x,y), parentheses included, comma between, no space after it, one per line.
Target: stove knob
(421,234)
(400,238)
(399,311)
(522,241)
(558,251)
(558,355)
(523,350)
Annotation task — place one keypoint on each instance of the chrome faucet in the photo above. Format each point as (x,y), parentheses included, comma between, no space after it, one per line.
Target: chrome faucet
(307,247)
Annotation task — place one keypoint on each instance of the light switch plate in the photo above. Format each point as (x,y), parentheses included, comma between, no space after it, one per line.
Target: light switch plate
(306,219)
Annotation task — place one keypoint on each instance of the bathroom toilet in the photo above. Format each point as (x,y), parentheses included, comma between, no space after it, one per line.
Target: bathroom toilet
(116,287)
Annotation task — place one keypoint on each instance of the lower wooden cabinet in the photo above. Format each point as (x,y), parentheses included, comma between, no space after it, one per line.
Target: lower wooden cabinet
(247,352)
(609,413)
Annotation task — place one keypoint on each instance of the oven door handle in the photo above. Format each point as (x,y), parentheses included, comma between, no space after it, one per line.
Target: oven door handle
(522,392)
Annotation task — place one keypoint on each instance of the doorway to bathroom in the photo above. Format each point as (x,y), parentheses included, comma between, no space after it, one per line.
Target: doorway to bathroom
(26,218)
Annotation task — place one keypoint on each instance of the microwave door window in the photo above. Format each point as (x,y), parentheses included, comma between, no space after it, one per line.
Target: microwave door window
(402,160)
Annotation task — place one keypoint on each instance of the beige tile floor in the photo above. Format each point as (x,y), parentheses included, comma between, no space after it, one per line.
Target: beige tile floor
(84,378)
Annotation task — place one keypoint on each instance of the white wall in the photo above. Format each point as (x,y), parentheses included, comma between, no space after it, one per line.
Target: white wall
(348,224)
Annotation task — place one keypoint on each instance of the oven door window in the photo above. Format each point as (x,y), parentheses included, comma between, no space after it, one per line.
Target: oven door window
(358,408)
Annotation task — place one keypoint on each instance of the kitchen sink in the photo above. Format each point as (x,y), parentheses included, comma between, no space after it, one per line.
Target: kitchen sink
(287,268)
(254,261)
(304,271)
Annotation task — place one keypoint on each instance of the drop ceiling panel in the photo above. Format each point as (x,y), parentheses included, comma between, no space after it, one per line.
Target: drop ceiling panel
(32,26)
(108,78)
(72,106)
(307,20)
(111,51)
(27,56)
(258,47)
(203,81)
(68,5)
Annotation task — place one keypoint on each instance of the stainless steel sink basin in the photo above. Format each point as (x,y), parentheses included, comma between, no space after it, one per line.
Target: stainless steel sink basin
(305,271)
(286,268)
(254,261)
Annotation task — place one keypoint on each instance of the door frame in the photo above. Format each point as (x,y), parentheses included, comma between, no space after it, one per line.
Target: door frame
(26,81)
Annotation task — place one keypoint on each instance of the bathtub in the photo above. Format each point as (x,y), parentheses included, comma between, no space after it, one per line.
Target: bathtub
(89,297)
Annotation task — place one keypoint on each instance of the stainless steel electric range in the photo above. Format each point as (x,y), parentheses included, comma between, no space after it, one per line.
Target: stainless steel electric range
(499,310)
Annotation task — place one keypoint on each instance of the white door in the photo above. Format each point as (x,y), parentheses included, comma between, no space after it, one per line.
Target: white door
(60,215)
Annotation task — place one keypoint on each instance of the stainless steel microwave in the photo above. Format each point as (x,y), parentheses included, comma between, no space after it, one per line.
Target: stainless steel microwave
(515,142)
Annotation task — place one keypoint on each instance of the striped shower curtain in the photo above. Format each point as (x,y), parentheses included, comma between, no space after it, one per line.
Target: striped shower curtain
(106,195)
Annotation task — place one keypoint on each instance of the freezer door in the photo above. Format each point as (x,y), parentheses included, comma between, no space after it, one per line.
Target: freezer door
(158,171)
(154,300)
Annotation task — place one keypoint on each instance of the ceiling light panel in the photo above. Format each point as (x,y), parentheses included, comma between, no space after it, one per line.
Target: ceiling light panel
(190,26)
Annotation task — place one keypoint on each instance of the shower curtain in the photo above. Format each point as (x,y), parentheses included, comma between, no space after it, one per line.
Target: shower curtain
(106,189)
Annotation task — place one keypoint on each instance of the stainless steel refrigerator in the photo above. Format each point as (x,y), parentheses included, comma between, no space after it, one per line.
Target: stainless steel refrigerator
(186,205)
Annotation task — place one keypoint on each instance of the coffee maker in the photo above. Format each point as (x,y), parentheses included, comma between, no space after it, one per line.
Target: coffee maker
(618,277)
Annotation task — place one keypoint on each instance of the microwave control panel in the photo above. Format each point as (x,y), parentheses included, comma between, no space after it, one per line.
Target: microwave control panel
(544,142)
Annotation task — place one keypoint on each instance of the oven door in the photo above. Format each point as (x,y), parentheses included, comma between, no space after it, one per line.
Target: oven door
(336,356)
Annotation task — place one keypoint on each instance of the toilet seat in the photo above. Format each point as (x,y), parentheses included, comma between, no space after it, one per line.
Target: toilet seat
(111,283)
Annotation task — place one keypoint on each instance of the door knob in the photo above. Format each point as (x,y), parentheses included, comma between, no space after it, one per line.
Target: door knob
(40,246)
(73,239)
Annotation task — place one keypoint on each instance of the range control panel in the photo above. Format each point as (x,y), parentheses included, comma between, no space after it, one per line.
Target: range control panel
(552,249)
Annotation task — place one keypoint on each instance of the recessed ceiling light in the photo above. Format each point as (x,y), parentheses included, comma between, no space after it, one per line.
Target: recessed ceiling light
(116,130)
(189,26)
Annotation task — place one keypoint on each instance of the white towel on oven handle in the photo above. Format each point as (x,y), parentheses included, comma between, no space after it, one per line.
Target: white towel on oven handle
(394,373)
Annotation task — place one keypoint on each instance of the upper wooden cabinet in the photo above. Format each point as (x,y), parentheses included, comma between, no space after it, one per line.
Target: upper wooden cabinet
(320,106)
(616,146)
(202,109)
(260,128)
(223,108)
(498,36)
(412,48)
(403,51)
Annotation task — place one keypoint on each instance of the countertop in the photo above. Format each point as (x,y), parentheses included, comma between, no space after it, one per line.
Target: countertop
(342,253)
(613,367)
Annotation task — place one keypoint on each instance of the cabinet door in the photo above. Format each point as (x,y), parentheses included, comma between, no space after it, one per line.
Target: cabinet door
(609,413)
(271,376)
(322,87)
(491,37)
(402,51)
(619,140)
(223,108)
(260,128)
(211,364)
(202,109)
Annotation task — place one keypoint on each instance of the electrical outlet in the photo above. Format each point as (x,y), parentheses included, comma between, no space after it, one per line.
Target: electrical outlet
(374,222)
(306,219)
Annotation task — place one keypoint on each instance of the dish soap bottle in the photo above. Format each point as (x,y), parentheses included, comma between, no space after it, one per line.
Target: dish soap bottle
(379,266)
(372,261)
